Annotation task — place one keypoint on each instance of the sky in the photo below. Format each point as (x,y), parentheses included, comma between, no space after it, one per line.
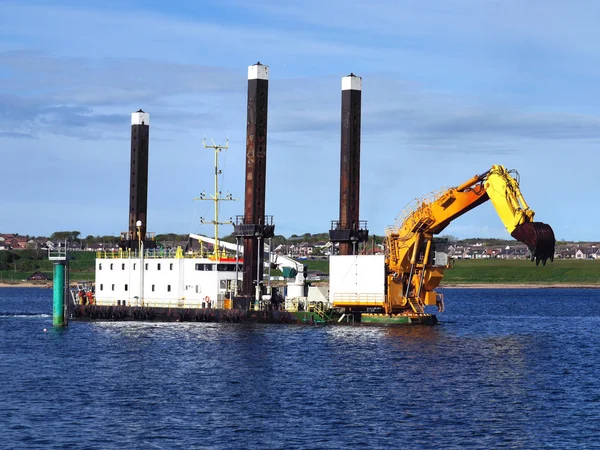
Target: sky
(449,89)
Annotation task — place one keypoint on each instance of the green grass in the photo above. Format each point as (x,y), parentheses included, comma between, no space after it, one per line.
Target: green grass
(82,265)
(510,271)
(320,265)
(9,276)
(520,271)
(464,271)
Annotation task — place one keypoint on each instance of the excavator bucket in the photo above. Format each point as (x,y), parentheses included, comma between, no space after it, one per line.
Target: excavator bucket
(539,237)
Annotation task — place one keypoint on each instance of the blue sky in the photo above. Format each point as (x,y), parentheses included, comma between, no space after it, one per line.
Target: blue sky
(449,88)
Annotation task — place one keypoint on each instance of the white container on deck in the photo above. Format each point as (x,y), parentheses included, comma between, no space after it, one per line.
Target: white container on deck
(357,280)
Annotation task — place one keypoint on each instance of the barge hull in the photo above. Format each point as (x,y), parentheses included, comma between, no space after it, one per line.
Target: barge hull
(161,314)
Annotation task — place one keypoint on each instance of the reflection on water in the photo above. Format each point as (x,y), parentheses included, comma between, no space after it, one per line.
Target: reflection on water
(505,368)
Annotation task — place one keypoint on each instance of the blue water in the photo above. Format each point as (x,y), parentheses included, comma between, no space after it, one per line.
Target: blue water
(504,369)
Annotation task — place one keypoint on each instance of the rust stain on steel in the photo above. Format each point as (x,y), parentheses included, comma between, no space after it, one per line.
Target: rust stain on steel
(350,164)
(256,164)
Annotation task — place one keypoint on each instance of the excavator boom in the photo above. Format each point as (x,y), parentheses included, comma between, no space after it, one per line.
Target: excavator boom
(412,272)
(505,194)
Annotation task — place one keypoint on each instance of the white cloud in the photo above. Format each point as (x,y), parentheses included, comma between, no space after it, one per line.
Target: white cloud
(448,91)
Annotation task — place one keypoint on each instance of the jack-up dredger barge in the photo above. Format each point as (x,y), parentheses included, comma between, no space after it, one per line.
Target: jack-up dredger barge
(143,282)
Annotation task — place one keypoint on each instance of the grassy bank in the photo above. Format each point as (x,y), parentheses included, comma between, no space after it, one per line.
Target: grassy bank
(479,271)
(483,271)
(502,271)
(509,271)
(19,264)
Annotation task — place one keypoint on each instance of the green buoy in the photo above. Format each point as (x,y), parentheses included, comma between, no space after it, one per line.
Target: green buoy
(58,309)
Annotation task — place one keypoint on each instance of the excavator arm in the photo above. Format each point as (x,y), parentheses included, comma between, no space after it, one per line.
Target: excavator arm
(412,273)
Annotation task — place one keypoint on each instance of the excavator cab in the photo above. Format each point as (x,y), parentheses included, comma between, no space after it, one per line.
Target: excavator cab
(539,238)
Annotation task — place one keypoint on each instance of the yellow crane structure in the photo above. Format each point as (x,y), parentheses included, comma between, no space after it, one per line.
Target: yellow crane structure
(413,271)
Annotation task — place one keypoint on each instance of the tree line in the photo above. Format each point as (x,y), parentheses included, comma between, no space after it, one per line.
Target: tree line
(76,239)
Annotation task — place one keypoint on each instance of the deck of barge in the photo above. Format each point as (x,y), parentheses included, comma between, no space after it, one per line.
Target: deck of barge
(160,314)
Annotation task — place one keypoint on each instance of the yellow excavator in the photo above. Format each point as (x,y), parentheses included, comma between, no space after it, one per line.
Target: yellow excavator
(413,266)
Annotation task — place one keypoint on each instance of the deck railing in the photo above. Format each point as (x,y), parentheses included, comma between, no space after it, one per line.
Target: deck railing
(352,299)
(180,303)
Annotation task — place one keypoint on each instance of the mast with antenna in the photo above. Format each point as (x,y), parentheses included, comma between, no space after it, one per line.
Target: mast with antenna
(216,197)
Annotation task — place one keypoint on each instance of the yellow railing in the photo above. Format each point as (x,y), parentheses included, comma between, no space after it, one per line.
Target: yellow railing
(410,211)
(351,299)
(292,306)
(161,253)
(319,309)
(416,304)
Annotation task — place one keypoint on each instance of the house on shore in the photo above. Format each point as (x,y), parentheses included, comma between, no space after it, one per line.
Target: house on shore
(38,276)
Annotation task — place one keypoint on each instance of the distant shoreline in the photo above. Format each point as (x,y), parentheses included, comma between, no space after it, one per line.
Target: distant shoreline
(47,285)
(519,286)
(27,284)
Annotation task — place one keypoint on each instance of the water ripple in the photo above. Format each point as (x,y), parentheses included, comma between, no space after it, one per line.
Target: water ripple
(505,369)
